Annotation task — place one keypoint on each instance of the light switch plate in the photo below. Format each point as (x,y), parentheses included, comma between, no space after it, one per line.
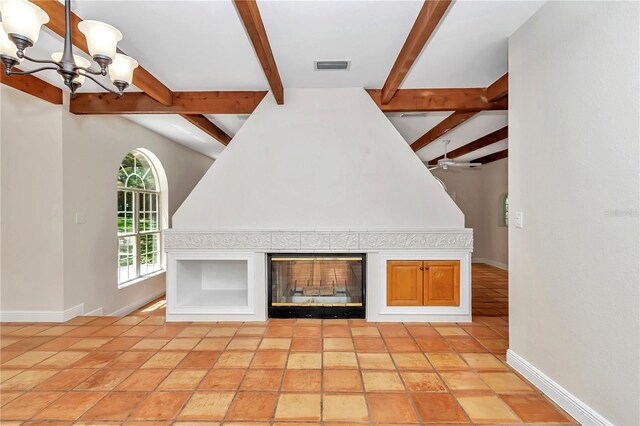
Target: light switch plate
(79,218)
(519,220)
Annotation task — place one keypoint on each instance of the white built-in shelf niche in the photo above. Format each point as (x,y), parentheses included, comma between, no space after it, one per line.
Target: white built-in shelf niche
(222,283)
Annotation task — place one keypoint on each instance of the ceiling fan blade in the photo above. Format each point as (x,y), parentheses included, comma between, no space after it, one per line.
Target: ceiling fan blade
(468,165)
(433,168)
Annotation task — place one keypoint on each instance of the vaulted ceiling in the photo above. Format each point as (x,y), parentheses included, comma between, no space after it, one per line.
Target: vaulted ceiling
(204,46)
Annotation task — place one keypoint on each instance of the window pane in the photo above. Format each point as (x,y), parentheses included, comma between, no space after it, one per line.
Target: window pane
(126,259)
(125,169)
(136,172)
(135,181)
(148,214)
(149,253)
(125,212)
(150,180)
(154,212)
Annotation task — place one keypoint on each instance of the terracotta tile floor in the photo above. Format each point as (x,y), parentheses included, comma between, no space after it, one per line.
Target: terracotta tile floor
(139,370)
(490,290)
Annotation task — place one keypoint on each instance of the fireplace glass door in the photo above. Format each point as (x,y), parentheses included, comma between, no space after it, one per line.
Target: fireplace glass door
(316,286)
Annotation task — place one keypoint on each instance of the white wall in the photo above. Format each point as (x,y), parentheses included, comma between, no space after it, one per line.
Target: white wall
(573,172)
(328,158)
(478,193)
(74,161)
(31,273)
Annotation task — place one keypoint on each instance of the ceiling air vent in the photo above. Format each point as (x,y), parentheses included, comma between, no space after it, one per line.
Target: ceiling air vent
(331,65)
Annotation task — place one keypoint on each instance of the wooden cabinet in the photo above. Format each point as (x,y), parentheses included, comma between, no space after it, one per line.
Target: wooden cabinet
(423,283)
(405,283)
(441,283)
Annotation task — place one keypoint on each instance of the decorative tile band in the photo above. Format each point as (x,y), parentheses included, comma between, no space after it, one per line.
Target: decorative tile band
(318,240)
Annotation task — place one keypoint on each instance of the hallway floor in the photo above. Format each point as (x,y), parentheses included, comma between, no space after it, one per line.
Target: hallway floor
(107,370)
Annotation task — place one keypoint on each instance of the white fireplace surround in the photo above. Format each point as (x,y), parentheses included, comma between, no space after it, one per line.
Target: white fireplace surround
(251,246)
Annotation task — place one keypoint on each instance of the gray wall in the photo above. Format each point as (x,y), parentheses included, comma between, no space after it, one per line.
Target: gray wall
(573,172)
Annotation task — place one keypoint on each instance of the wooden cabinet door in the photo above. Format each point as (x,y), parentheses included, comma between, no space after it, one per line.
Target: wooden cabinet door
(442,283)
(404,283)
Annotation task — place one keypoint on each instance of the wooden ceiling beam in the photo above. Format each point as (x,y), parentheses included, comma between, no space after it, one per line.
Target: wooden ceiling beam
(456,99)
(203,123)
(498,89)
(446,125)
(477,144)
(423,28)
(33,86)
(215,102)
(142,78)
(492,157)
(250,16)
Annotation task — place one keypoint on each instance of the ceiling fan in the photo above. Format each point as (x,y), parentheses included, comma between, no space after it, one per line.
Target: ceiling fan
(445,163)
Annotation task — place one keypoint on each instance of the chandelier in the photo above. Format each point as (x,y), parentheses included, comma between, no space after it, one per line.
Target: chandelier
(20,28)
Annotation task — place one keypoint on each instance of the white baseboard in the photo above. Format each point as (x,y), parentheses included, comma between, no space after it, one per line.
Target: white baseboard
(499,265)
(135,305)
(67,314)
(94,313)
(42,316)
(572,405)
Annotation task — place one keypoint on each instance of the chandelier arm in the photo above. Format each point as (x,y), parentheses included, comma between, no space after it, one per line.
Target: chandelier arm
(102,71)
(119,94)
(40,61)
(31,72)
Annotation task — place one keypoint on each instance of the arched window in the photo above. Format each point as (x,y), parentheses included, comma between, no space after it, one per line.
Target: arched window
(139,218)
(503,219)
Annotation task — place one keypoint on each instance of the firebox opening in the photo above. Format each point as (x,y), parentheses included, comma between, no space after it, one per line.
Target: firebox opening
(316,285)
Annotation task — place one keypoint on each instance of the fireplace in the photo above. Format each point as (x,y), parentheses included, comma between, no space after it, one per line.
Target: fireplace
(316,285)
(316,189)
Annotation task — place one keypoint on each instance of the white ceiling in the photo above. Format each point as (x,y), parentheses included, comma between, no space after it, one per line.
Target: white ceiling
(469,48)
(202,45)
(196,45)
(368,33)
(229,123)
(179,130)
(412,127)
